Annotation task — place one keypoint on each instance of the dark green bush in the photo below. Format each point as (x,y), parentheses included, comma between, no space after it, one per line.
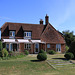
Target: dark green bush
(26,52)
(51,52)
(72,48)
(42,56)
(42,51)
(4,53)
(0,53)
(69,56)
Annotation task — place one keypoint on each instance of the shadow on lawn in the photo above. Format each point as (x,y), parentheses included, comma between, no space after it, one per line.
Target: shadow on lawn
(35,60)
(59,58)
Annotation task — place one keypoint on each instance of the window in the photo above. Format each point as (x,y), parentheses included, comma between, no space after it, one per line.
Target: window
(27,46)
(11,47)
(58,47)
(27,35)
(12,34)
(48,45)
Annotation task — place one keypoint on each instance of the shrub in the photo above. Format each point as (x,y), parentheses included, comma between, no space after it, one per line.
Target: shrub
(42,51)
(51,52)
(26,52)
(72,48)
(66,48)
(4,53)
(0,53)
(41,56)
(69,56)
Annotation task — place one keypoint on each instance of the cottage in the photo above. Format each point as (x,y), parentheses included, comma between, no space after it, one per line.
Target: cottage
(32,37)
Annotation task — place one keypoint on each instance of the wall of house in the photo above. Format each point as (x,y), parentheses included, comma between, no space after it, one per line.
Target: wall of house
(21,47)
(62,48)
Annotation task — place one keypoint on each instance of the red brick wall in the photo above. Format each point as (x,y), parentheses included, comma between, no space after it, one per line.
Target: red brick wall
(21,47)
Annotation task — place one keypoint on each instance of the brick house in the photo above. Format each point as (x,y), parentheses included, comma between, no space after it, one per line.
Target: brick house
(32,37)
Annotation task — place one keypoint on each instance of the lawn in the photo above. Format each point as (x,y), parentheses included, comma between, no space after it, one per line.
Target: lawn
(29,65)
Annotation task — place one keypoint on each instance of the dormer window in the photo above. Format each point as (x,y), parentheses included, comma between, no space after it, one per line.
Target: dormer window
(12,34)
(27,35)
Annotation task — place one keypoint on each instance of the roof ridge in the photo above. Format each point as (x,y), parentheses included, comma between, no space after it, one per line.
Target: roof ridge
(24,23)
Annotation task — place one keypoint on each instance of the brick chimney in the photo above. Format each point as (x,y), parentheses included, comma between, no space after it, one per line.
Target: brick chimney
(46,19)
(41,21)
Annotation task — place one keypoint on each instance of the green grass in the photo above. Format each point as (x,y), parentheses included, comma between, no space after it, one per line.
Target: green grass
(29,65)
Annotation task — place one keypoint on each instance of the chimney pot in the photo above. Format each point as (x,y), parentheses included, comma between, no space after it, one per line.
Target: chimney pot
(46,19)
(41,21)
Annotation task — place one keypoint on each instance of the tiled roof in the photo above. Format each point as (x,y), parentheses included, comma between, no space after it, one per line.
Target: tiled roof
(47,33)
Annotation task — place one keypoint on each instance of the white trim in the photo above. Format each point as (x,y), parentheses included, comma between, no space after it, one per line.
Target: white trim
(35,48)
(26,46)
(59,46)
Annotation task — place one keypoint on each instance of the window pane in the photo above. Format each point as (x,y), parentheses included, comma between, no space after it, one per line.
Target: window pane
(25,34)
(11,47)
(10,33)
(13,33)
(48,45)
(29,46)
(25,46)
(29,33)
(7,46)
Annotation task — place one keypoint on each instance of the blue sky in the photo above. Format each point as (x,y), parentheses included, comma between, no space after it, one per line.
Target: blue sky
(61,12)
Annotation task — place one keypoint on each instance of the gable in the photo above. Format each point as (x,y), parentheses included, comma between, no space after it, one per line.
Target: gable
(50,35)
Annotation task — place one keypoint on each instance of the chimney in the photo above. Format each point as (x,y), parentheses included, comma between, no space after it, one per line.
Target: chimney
(41,21)
(46,19)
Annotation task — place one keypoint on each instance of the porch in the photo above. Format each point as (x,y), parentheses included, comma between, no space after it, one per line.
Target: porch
(33,46)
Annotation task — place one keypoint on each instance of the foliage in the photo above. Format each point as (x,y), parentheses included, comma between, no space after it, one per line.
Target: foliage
(42,56)
(0,53)
(72,48)
(42,51)
(1,46)
(26,52)
(51,52)
(66,48)
(69,37)
(4,53)
(69,56)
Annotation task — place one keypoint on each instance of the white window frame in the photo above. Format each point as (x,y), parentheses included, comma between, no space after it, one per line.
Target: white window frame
(26,34)
(6,45)
(26,45)
(58,46)
(12,36)
(35,47)
(48,45)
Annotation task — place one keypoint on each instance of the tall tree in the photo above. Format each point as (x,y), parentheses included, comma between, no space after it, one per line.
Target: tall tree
(69,37)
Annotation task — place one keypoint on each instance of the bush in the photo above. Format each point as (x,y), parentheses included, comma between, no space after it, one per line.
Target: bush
(4,53)
(69,56)
(0,53)
(26,52)
(42,51)
(41,56)
(72,48)
(51,52)
(66,48)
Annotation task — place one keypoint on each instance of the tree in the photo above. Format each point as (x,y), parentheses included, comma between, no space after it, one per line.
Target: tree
(69,37)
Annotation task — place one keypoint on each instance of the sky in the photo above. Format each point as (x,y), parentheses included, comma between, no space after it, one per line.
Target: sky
(61,12)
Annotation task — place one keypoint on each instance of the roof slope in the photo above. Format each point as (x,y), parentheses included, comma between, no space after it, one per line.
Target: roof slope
(47,33)
(51,35)
(36,29)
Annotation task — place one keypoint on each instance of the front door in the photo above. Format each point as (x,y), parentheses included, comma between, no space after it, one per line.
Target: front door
(36,48)
(14,47)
